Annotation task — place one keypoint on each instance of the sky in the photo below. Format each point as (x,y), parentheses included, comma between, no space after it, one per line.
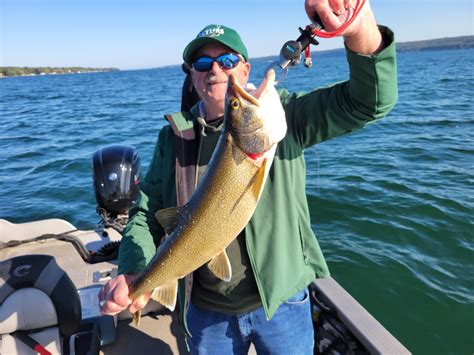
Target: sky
(138,34)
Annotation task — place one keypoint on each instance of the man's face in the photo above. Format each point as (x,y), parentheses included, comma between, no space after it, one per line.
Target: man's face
(212,85)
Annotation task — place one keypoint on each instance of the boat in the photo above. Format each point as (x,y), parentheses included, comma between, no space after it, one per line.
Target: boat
(51,273)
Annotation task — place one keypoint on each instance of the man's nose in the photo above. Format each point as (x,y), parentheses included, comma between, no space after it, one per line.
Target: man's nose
(215,67)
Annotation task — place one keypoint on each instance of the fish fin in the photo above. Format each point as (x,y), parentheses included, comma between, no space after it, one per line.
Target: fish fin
(220,266)
(168,218)
(136,317)
(258,181)
(166,295)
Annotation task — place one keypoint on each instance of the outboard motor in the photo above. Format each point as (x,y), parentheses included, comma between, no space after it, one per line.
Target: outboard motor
(117,176)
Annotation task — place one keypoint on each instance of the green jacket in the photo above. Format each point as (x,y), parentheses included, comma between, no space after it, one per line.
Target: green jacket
(283,250)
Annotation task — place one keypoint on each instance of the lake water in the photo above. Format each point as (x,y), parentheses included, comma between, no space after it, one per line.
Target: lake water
(392,204)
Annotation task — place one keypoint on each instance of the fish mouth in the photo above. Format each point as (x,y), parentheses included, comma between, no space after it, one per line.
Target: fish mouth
(237,90)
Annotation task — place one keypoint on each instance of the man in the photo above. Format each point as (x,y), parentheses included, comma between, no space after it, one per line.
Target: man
(277,255)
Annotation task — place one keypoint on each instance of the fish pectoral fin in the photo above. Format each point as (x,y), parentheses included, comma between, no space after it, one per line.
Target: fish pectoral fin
(168,218)
(166,295)
(220,266)
(258,180)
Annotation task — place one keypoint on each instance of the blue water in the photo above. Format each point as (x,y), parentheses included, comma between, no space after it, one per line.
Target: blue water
(392,204)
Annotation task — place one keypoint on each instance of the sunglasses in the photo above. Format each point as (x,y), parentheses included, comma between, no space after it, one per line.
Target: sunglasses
(225,61)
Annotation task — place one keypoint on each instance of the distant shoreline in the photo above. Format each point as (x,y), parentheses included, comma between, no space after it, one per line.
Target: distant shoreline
(462,42)
(6,72)
(448,43)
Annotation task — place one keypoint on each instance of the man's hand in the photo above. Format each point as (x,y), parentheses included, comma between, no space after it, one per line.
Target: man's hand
(362,36)
(113,297)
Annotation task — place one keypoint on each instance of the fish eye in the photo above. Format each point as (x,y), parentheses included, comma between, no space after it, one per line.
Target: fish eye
(234,103)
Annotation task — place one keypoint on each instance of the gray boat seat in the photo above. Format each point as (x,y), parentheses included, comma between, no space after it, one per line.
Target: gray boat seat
(37,300)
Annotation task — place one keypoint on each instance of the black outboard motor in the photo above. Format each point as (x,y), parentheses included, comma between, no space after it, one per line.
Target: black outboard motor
(117,176)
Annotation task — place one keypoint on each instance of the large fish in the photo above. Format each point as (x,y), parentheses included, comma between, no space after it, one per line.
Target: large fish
(224,201)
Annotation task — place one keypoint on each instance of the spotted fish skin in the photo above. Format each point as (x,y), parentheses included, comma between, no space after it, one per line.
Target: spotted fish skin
(226,198)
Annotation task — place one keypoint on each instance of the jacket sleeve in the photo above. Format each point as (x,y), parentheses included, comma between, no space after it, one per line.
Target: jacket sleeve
(143,232)
(369,94)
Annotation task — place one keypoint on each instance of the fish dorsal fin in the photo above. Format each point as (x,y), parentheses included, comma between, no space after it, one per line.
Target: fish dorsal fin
(258,180)
(220,266)
(169,218)
(166,295)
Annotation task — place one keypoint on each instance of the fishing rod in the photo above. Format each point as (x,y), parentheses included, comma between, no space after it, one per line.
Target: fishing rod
(290,53)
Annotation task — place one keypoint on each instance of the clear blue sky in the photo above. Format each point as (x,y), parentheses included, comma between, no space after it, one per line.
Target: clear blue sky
(132,34)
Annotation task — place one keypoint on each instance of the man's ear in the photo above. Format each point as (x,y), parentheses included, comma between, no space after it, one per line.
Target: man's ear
(186,68)
(246,71)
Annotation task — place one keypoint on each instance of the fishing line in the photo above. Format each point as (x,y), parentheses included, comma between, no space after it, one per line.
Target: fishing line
(317,29)
(318,160)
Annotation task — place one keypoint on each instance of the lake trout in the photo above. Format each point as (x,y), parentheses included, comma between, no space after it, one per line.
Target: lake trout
(225,199)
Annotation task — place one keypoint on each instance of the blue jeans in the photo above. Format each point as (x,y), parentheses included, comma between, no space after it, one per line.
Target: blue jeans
(290,331)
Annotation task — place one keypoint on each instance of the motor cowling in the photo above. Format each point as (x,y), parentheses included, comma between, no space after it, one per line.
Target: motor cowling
(117,175)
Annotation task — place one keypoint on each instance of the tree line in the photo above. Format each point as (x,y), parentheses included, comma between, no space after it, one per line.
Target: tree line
(21,71)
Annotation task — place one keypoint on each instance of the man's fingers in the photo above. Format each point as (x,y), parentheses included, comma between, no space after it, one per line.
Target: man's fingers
(112,302)
(310,11)
(140,302)
(111,308)
(349,4)
(113,297)
(337,6)
(328,17)
(119,294)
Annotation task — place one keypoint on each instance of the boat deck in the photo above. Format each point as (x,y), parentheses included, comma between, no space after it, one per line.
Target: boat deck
(159,330)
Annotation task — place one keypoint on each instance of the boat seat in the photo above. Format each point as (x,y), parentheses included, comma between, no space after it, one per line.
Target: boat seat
(37,299)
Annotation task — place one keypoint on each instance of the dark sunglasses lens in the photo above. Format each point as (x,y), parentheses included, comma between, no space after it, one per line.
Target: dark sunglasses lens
(227,61)
(203,64)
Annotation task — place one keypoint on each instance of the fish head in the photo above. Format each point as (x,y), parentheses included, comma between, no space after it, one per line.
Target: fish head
(255,118)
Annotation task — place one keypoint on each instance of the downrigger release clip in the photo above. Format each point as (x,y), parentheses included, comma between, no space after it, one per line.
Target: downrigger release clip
(290,53)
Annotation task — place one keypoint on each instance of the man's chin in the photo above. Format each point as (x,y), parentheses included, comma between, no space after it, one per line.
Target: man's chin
(214,98)
(217,90)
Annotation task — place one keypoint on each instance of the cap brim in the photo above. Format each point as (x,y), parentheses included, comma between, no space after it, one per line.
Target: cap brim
(195,44)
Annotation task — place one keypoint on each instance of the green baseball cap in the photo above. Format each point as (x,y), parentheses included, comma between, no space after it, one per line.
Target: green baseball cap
(215,34)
